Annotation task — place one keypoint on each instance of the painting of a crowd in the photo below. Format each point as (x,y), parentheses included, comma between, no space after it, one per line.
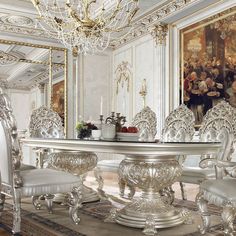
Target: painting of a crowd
(209,69)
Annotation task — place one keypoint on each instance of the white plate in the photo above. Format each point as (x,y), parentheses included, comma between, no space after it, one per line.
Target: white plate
(127,136)
(121,134)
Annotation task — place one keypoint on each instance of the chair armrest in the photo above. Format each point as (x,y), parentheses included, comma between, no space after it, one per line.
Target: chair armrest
(210,163)
(223,165)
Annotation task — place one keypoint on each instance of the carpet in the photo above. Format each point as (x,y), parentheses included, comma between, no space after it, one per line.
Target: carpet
(40,223)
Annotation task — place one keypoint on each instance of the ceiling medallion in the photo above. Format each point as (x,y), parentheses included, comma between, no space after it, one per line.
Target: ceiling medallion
(85,26)
(17,20)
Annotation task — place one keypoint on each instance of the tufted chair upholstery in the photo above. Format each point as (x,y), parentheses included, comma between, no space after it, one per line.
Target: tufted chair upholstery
(220,190)
(18,183)
(45,123)
(179,127)
(146,122)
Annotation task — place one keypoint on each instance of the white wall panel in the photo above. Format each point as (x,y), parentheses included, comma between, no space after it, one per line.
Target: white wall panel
(144,57)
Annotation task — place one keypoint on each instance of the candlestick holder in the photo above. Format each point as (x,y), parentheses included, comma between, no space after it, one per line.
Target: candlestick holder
(117,120)
(143,95)
(101,118)
(143,92)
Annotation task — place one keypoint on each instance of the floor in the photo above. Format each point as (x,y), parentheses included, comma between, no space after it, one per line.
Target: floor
(111,186)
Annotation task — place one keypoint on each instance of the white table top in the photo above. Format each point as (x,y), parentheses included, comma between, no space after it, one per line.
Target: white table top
(126,148)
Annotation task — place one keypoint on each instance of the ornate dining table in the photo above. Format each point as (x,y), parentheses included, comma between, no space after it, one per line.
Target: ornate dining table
(150,166)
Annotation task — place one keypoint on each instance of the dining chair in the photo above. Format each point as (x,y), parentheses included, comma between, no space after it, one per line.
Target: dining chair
(46,123)
(5,106)
(220,190)
(178,127)
(17,183)
(209,131)
(146,122)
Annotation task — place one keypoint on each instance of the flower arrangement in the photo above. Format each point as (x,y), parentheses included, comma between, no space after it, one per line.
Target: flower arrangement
(84,129)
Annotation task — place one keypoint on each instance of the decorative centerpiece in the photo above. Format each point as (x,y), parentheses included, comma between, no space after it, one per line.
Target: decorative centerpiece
(84,129)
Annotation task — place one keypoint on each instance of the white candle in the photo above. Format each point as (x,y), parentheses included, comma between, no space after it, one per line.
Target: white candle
(101,106)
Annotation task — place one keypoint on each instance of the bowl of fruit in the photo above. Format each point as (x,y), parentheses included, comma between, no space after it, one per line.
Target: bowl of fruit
(130,133)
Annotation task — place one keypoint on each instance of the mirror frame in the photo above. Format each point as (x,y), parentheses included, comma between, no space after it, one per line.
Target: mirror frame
(50,63)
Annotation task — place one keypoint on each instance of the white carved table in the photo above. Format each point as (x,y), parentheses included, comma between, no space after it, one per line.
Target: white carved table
(149,166)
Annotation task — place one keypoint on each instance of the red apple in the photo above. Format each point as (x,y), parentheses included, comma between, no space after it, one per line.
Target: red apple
(124,129)
(132,129)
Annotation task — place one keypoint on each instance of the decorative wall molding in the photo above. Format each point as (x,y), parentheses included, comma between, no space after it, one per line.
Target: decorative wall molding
(123,75)
(146,23)
(159,33)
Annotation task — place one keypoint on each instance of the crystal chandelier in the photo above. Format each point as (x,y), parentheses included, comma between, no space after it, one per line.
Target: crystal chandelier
(85,26)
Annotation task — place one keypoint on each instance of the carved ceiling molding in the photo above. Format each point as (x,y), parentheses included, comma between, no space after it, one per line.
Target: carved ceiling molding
(44,76)
(146,23)
(159,33)
(4,84)
(7,59)
(19,29)
(17,20)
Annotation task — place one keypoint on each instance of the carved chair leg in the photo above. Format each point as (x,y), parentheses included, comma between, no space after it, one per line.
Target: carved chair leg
(183,192)
(49,202)
(228,216)
(75,202)
(122,184)
(2,201)
(98,176)
(16,211)
(202,207)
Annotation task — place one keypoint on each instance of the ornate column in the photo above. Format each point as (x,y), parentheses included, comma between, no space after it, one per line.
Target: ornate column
(161,96)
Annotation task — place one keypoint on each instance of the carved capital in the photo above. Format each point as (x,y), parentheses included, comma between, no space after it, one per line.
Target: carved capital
(159,33)
(41,87)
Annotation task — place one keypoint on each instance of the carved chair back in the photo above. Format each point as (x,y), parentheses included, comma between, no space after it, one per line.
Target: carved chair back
(179,125)
(146,122)
(45,123)
(218,126)
(9,151)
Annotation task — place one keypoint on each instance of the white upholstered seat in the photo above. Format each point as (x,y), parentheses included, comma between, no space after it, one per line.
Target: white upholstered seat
(221,190)
(17,183)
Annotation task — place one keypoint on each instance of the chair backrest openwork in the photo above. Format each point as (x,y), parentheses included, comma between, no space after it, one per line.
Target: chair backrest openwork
(9,151)
(179,125)
(219,126)
(45,123)
(146,122)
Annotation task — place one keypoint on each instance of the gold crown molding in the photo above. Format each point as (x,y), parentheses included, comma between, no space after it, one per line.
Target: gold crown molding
(4,41)
(145,24)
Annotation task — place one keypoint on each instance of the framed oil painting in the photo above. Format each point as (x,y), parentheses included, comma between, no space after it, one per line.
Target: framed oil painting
(208,63)
(58,99)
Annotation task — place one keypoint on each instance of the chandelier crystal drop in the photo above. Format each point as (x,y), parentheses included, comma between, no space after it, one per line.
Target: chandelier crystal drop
(85,26)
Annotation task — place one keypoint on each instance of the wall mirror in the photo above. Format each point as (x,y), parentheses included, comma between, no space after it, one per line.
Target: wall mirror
(208,63)
(34,75)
